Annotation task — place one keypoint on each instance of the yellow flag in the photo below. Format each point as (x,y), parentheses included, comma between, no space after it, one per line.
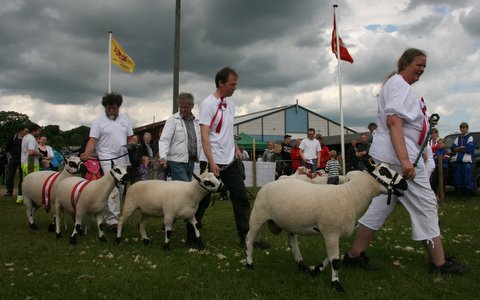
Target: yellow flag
(121,58)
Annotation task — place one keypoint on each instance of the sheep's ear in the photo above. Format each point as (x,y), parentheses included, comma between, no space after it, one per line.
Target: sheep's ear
(369,164)
(196,177)
(112,163)
(64,159)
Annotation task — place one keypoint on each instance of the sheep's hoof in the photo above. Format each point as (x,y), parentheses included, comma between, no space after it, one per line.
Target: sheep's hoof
(199,244)
(73,240)
(58,235)
(34,226)
(302,266)
(316,271)
(51,227)
(166,247)
(250,266)
(118,240)
(146,241)
(102,239)
(336,284)
(80,231)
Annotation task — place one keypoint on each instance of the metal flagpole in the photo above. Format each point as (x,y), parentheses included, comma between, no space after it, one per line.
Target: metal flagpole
(339,74)
(109,62)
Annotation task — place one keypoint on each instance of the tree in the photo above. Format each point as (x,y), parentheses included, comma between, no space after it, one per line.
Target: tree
(10,123)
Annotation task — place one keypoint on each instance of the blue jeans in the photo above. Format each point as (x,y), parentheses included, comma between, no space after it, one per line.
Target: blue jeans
(463,176)
(181,171)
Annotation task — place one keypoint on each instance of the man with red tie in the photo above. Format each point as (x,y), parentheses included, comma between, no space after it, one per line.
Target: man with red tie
(217,114)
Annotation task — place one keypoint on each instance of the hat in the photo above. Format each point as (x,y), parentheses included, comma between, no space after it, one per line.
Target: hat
(287,136)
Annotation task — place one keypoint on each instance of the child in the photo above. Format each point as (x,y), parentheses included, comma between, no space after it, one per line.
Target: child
(445,153)
(144,168)
(333,167)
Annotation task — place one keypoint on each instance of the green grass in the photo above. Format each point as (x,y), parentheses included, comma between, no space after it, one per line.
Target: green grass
(36,265)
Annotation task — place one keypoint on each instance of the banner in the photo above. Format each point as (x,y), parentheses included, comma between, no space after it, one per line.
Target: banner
(121,58)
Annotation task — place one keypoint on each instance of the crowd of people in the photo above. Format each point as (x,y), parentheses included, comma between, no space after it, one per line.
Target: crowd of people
(209,140)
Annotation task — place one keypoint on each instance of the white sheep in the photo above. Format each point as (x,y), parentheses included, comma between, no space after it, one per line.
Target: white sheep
(170,199)
(80,196)
(39,189)
(302,208)
(319,177)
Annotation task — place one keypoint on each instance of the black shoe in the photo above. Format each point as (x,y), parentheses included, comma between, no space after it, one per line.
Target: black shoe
(450,267)
(261,245)
(361,262)
(8,194)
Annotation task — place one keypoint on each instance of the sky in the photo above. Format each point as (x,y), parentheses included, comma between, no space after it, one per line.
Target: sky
(54,56)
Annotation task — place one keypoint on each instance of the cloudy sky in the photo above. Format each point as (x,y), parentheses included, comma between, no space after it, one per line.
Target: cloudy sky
(54,63)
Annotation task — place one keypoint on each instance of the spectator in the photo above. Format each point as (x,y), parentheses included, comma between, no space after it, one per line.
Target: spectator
(372,127)
(445,154)
(324,152)
(310,151)
(217,113)
(13,149)
(286,153)
(463,148)
(268,153)
(433,142)
(279,162)
(57,160)
(244,152)
(109,133)
(47,153)
(30,157)
(363,148)
(144,169)
(295,155)
(3,165)
(134,155)
(333,167)
(351,157)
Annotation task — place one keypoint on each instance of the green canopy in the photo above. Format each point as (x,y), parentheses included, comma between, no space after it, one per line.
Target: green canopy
(247,142)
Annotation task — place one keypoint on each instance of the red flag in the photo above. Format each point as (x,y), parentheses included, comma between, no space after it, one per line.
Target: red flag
(344,55)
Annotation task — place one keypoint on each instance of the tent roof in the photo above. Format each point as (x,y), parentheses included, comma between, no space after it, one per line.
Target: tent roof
(247,142)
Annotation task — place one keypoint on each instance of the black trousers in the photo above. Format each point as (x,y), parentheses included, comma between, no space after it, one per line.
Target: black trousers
(233,180)
(13,166)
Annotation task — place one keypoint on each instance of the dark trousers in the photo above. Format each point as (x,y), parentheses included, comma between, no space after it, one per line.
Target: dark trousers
(13,166)
(232,179)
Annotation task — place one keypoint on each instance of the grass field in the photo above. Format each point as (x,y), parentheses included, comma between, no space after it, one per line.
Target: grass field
(36,265)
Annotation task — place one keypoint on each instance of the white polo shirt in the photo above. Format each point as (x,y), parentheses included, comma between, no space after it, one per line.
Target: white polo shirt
(29,143)
(222,143)
(397,98)
(111,135)
(310,148)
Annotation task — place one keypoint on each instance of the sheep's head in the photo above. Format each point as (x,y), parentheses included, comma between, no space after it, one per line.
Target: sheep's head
(392,181)
(208,181)
(74,165)
(119,174)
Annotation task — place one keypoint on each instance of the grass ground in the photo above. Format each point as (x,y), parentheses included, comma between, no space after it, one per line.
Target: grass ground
(36,265)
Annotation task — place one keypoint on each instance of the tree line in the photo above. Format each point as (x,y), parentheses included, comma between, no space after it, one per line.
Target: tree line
(11,121)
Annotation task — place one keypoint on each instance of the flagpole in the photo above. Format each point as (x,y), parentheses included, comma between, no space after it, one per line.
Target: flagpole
(109,61)
(339,74)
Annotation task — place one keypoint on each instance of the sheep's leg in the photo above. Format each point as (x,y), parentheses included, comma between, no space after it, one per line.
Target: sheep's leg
(197,240)
(51,227)
(58,211)
(30,210)
(122,219)
(295,249)
(252,236)
(101,234)
(332,245)
(77,229)
(143,232)
(168,221)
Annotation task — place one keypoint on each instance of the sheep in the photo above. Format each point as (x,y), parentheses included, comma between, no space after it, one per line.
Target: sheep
(39,189)
(170,199)
(320,177)
(330,210)
(80,196)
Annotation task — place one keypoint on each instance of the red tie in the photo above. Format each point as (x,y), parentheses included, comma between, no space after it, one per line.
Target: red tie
(424,127)
(219,108)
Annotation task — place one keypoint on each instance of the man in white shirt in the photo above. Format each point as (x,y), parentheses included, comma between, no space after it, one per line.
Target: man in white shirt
(30,155)
(217,114)
(110,131)
(310,151)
